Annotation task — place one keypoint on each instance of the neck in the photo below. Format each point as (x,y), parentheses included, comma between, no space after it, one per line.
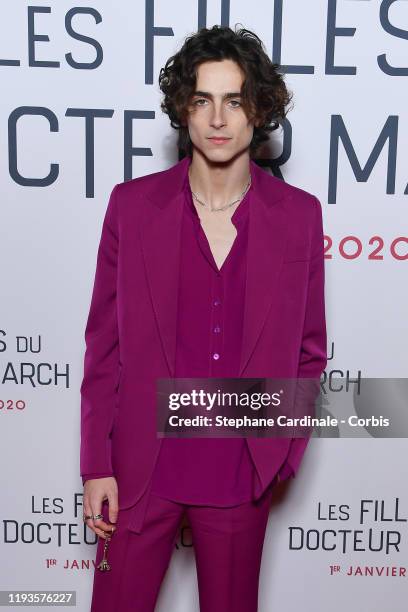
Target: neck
(218,184)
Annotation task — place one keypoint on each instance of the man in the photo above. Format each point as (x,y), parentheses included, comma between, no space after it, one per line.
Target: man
(212,268)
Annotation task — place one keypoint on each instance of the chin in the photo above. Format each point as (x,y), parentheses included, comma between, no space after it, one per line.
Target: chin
(219,155)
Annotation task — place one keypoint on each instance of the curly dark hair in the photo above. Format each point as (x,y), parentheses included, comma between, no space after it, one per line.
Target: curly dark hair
(264,92)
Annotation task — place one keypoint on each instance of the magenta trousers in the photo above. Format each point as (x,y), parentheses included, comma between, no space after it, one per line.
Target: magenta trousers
(227,544)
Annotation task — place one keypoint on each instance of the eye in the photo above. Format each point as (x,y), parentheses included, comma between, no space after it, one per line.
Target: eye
(196,102)
(236,102)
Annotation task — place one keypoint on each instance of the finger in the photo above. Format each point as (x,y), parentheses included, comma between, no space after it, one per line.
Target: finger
(103,525)
(100,533)
(113,507)
(88,512)
(100,524)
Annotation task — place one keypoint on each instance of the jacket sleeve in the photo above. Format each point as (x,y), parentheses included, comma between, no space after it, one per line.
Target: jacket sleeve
(313,353)
(86,477)
(101,361)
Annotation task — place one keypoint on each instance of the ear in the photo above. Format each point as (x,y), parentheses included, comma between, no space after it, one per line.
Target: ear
(256,122)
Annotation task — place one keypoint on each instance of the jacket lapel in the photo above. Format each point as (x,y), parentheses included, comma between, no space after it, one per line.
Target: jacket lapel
(161,238)
(266,245)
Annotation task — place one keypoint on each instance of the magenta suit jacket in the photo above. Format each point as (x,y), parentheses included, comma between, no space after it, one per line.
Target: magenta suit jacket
(131,329)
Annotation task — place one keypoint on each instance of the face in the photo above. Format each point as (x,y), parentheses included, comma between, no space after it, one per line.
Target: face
(214,112)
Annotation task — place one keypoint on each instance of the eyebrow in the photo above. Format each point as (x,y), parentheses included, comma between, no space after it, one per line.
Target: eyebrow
(207,94)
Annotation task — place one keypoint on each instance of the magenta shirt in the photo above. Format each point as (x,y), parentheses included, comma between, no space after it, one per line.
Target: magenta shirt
(213,471)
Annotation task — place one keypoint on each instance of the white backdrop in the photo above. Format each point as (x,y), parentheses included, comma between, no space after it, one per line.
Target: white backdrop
(346,64)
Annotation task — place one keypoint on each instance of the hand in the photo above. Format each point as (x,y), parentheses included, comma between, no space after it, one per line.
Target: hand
(96,490)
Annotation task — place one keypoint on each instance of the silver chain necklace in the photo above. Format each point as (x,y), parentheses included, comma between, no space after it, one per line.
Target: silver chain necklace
(227,205)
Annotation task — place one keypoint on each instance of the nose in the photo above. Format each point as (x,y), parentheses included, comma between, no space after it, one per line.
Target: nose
(218,118)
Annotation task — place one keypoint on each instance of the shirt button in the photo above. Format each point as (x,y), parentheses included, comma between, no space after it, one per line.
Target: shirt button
(216,302)
(216,356)
(217,329)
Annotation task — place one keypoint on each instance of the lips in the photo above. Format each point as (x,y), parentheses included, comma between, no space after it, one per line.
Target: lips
(219,139)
